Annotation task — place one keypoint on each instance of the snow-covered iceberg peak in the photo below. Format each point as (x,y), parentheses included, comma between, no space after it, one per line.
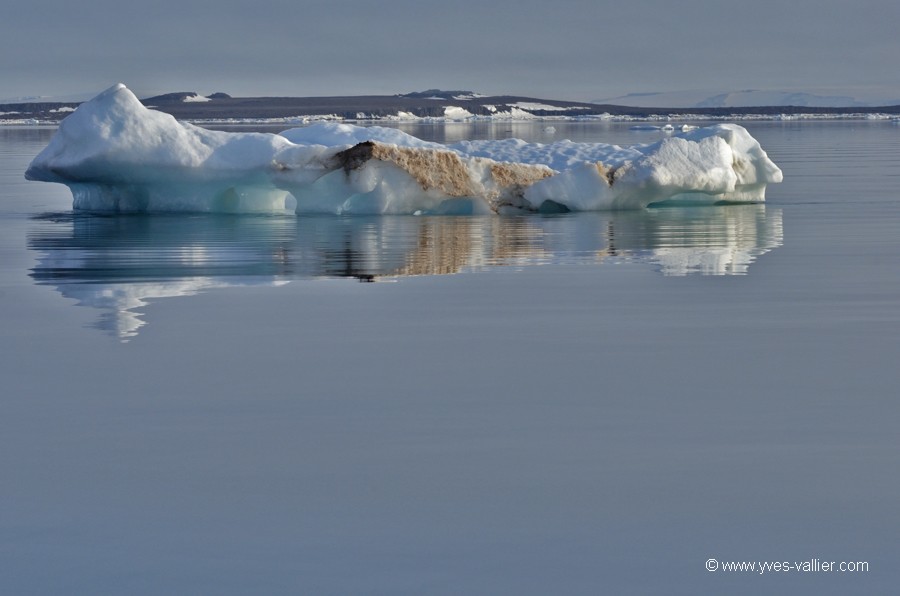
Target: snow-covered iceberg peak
(117,155)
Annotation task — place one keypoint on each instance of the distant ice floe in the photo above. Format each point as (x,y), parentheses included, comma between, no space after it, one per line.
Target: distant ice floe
(667,128)
(456,113)
(116,155)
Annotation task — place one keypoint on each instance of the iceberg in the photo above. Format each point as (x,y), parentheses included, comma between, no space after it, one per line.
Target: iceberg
(118,156)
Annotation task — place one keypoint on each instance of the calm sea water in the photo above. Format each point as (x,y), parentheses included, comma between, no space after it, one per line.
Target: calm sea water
(576,404)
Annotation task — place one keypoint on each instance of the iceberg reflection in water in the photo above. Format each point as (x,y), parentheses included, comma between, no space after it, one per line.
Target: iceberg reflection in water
(119,263)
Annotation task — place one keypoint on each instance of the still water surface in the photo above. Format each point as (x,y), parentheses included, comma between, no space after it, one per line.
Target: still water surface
(580,403)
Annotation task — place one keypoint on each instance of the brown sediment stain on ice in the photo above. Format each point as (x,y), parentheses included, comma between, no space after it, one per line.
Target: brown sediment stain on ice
(609,173)
(445,171)
(432,169)
(518,174)
(509,181)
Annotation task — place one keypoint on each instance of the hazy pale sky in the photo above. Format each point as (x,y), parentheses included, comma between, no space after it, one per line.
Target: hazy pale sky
(567,49)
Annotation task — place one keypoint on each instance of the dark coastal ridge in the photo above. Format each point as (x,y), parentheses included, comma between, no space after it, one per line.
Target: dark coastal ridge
(431,103)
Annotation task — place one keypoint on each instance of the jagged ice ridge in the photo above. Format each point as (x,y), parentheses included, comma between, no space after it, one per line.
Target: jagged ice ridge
(116,155)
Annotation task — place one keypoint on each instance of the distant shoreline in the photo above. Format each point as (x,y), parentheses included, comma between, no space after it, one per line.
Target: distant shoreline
(222,109)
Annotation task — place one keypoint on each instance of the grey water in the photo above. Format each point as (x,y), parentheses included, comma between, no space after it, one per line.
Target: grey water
(558,404)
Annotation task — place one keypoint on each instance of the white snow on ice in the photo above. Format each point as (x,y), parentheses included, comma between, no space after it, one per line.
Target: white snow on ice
(117,155)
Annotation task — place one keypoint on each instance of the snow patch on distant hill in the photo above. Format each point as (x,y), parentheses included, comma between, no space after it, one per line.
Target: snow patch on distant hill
(533,106)
(755,97)
(776,98)
(195,99)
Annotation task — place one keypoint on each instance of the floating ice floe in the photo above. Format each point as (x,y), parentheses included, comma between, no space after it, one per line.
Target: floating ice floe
(117,155)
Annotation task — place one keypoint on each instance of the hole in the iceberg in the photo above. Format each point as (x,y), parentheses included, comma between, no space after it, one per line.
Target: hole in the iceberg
(549,206)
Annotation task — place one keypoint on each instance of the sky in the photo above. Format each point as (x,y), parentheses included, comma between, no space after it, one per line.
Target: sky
(565,49)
